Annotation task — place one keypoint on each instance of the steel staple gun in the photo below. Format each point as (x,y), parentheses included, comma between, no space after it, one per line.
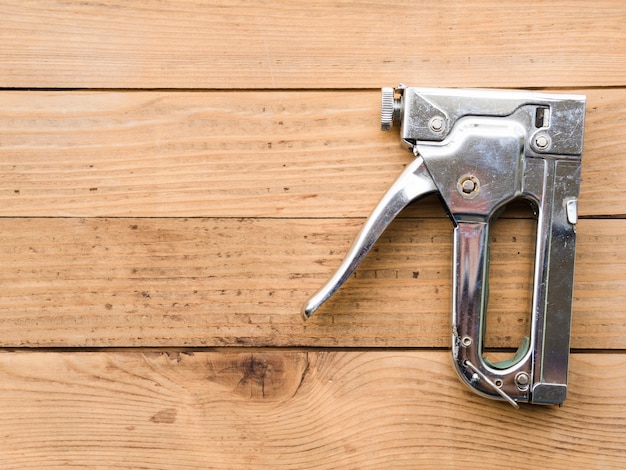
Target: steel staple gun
(480,150)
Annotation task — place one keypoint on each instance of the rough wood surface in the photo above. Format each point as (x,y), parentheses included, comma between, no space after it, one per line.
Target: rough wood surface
(214,282)
(311,44)
(237,154)
(294,410)
(178,176)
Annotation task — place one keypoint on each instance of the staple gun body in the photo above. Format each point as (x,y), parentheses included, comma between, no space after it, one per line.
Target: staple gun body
(481,150)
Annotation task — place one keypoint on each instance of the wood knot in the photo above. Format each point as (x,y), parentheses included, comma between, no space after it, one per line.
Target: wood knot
(166,416)
(260,375)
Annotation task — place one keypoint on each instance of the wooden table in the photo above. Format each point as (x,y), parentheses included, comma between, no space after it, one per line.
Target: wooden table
(176,177)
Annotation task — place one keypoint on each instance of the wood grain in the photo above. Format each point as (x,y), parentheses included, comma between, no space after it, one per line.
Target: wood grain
(224,282)
(176,177)
(294,409)
(310,44)
(252,154)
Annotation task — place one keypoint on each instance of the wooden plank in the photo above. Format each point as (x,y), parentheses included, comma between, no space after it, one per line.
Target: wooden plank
(253,154)
(292,410)
(259,121)
(217,282)
(305,44)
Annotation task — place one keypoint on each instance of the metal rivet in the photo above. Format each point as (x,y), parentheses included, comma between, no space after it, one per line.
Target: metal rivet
(466,341)
(542,141)
(522,380)
(436,124)
(468,186)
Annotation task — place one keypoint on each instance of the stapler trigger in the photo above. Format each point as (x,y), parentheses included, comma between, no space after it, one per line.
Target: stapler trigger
(414,183)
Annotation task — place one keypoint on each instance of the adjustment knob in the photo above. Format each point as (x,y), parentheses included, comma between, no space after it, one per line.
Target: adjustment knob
(387,108)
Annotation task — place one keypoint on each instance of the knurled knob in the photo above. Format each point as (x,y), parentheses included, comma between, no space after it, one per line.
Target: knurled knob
(387,107)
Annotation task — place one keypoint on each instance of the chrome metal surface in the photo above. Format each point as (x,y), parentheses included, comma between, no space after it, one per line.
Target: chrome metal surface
(480,150)
(496,387)
(414,183)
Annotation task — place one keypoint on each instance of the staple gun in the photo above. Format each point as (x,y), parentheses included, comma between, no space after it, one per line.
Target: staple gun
(480,150)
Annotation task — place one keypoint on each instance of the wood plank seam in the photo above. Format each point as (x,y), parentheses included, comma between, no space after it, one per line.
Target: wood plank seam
(174,180)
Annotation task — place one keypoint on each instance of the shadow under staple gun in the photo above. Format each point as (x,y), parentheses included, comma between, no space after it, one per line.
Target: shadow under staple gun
(480,150)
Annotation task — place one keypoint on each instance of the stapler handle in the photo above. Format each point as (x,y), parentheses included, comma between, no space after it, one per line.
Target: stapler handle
(538,371)
(481,150)
(414,182)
